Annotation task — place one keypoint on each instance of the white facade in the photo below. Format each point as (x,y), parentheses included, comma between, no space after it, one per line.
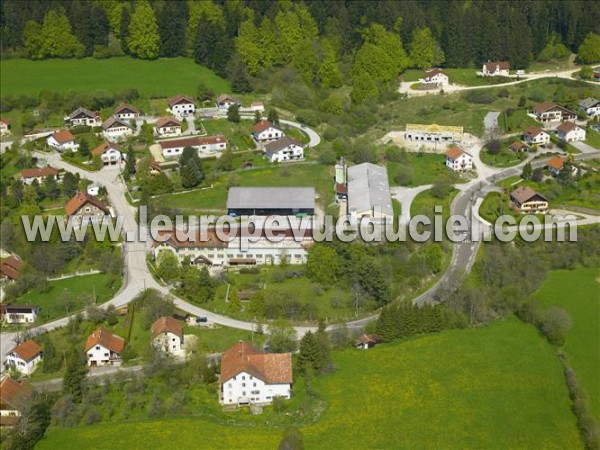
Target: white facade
(246,388)
(577,134)
(168,130)
(495,70)
(168,342)
(93,189)
(436,77)
(111,156)
(86,120)
(540,138)
(117,131)
(62,146)
(460,163)
(204,146)
(4,128)
(101,356)
(288,153)
(268,135)
(257,106)
(183,108)
(21,315)
(17,363)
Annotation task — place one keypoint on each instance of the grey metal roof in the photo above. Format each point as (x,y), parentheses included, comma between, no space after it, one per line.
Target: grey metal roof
(588,102)
(271,197)
(368,187)
(284,142)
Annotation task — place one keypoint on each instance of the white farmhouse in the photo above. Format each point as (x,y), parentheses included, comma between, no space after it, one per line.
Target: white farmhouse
(20,314)
(182,106)
(103,348)
(108,152)
(126,112)
(458,160)
(257,106)
(115,129)
(535,135)
(167,127)
(437,77)
(4,126)
(591,106)
(285,149)
(496,69)
(264,132)
(13,396)
(40,175)
(224,101)
(205,146)
(570,132)
(62,141)
(82,116)
(249,376)
(167,335)
(24,358)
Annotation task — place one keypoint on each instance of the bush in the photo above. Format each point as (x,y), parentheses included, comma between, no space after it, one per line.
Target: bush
(493,146)
(555,323)
(503,93)
(479,97)
(522,101)
(81,129)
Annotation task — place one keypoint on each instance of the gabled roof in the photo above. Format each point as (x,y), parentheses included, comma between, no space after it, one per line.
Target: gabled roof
(83,111)
(104,147)
(557,162)
(75,203)
(13,262)
(63,136)
(518,146)
(5,121)
(125,107)
(455,153)
(112,121)
(524,193)
(262,126)
(15,309)
(167,324)
(368,188)
(180,99)
(566,127)
(167,121)
(223,97)
(434,72)
(491,65)
(27,350)
(280,144)
(369,339)
(272,368)
(589,102)
(105,339)
(43,172)
(9,272)
(13,393)
(543,107)
(533,131)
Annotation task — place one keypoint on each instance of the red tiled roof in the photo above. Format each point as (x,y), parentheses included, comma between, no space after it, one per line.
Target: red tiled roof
(272,368)
(9,272)
(102,337)
(27,350)
(341,188)
(262,126)
(454,153)
(533,131)
(167,324)
(104,147)
(74,204)
(5,121)
(63,136)
(43,172)
(13,262)
(517,146)
(543,107)
(179,99)
(163,121)
(491,65)
(557,162)
(13,393)
(434,72)
(566,127)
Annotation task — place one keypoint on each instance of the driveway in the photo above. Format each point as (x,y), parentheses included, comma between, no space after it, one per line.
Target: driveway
(584,148)
(490,122)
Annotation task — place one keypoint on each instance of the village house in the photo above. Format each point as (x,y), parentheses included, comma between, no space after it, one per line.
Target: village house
(114,129)
(10,269)
(62,141)
(369,192)
(285,149)
(4,126)
(24,358)
(85,208)
(13,396)
(556,164)
(224,101)
(20,314)
(536,136)
(28,176)
(82,116)
(182,105)
(496,69)
(103,349)
(167,127)
(126,112)
(367,341)
(249,376)
(551,112)
(436,77)
(257,106)
(205,146)
(524,199)
(167,335)
(264,132)
(518,147)
(109,153)
(590,106)
(458,160)
(570,132)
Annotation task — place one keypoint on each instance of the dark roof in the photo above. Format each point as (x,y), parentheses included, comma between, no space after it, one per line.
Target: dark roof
(74,204)
(124,107)
(524,193)
(83,112)
(111,121)
(180,99)
(169,120)
(280,144)
(434,72)
(262,126)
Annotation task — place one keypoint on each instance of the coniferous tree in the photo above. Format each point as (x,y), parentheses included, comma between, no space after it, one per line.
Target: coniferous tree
(233,113)
(84,148)
(172,20)
(191,174)
(124,28)
(273,116)
(74,379)
(130,161)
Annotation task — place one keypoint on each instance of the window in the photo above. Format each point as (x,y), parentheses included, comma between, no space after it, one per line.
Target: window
(254,384)
(243,384)
(230,385)
(97,347)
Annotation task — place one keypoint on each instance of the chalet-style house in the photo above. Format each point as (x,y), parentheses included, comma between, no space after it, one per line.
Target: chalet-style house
(126,112)
(82,116)
(518,147)
(556,165)
(24,358)
(590,106)
(103,348)
(257,106)
(20,314)
(367,341)
(551,112)
(167,335)
(205,146)
(285,149)
(85,208)
(524,199)
(167,127)
(436,77)
(62,141)
(224,101)
(496,69)
(570,132)
(114,129)
(40,175)
(265,132)
(4,126)
(458,160)
(249,376)
(109,153)
(13,396)
(182,105)
(536,136)
(10,269)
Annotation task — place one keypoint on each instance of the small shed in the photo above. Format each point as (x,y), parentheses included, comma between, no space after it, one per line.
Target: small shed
(366,341)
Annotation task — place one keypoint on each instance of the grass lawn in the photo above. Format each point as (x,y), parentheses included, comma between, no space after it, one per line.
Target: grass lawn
(506,158)
(464,77)
(67,296)
(425,204)
(219,338)
(159,78)
(517,122)
(237,133)
(427,168)
(456,389)
(592,138)
(578,291)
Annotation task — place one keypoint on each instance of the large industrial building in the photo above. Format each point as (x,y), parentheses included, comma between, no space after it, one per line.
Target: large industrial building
(369,192)
(270,201)
(433,133)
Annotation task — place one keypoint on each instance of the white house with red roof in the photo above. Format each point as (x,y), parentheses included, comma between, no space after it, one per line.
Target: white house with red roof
(264,132)
(257,106)
(167,335)
(109,153)
(4,126)
(570,132)
(496,69)
(167,127)
(551,112)
(224,101)
(182,105)
(103,348)
(62,141)
(13,396)
(535,135)
(249,376)
(24,358)
(437,77)
(458,160)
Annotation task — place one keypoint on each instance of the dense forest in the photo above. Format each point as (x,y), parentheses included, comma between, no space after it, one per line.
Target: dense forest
(328,42)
